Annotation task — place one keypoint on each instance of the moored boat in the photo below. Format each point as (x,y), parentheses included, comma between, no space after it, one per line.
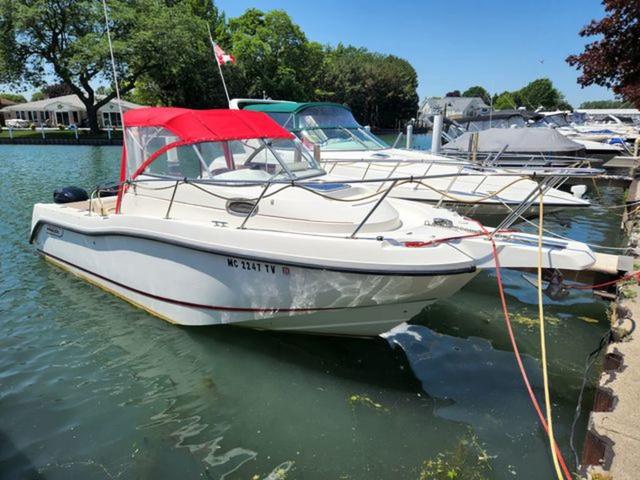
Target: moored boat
(222,217)
(350,151)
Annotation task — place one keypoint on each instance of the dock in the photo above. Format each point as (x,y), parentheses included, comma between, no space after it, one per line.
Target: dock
(613,435)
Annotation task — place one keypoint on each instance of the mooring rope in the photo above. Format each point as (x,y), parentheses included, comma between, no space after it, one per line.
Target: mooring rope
(555,450)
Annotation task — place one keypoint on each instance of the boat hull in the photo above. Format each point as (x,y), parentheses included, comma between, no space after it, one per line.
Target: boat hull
(193,287)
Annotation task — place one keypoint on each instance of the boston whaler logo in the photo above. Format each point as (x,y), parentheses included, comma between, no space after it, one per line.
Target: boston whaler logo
(54,231)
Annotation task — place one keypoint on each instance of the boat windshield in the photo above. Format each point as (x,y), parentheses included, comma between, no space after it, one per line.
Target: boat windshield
(578,117)
(511,122)
(330,127)
(558,120)
(236,160)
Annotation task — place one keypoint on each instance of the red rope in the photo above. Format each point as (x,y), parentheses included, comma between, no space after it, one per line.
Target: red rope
(516,351)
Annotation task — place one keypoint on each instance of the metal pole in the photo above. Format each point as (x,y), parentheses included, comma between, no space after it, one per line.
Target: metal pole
(213,47)
(173,195)
(409,135)
(436,137)
(364,220)
(255,206)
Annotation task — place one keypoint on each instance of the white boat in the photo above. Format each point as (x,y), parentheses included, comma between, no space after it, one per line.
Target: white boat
(351,152)
(222,217)
(594,146)
(597,141)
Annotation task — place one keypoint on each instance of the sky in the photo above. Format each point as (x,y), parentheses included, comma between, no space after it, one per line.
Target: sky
(499,44)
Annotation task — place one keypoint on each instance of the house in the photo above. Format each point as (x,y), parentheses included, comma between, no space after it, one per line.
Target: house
(454,107)
(66,110)
(4,103)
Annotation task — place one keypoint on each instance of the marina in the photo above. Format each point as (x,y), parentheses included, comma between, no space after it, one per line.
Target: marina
(267,257)
(193,414)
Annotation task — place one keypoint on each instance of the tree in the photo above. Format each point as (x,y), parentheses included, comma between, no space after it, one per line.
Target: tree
(380,89)
(606,104)
(478,91)
(195,81)
(57,90)
(505,101)
(613,61)
(539,93)
(68,38)
(274,56)
(38,96)
(455,93)
(13,97)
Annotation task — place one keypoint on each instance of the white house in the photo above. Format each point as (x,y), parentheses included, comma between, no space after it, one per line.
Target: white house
(66,110)
(456,107)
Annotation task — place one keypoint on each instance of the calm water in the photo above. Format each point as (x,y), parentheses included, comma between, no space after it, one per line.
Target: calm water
(92,388)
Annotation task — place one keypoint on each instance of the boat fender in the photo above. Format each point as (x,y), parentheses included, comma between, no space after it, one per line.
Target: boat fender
(578,190)
(69,195)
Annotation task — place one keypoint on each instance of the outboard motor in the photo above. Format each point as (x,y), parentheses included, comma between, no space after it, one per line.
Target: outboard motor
(69,195)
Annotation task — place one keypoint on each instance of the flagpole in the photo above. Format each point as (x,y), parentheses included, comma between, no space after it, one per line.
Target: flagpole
(224,84)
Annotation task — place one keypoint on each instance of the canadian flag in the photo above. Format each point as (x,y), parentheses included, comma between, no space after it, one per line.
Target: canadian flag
(222,57)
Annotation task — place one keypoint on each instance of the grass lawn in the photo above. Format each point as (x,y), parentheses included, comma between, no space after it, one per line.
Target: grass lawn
(68,134)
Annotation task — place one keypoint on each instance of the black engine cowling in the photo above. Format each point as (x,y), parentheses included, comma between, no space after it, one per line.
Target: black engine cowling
(69,195)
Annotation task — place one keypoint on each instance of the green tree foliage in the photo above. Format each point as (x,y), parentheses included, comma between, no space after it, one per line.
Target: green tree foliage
(164,57)
(68,38)
(13,97)
(274,56)
(380,89)
(38,96)
(478,91)
(540,93)
(606,104)
(194,81)
(504,101)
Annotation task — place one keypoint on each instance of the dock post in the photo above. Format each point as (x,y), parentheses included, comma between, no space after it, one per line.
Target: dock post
(436,137)
(409,135)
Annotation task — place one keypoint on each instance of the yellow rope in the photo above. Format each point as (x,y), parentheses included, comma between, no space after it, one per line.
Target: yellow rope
(543,350)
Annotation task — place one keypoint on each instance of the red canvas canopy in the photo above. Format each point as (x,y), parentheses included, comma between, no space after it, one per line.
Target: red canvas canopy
(193,126)
(196,126)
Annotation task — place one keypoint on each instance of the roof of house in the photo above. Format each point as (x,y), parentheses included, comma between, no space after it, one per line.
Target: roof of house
(71,101)
(458,104)
(4,102)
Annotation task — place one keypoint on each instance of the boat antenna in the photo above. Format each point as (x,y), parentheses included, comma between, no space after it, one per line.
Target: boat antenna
(113,62)
(123,160)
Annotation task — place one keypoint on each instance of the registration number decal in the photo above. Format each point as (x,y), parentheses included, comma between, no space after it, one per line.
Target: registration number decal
(258,267)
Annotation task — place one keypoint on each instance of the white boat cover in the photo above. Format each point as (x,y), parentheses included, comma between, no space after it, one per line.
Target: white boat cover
(520,140)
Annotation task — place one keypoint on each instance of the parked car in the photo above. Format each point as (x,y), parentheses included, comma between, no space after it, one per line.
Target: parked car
(17,123)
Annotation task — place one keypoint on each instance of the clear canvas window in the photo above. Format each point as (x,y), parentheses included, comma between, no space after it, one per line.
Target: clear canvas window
(238,160)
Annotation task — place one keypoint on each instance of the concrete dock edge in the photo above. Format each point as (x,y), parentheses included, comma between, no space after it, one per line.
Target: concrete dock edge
(612,441)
